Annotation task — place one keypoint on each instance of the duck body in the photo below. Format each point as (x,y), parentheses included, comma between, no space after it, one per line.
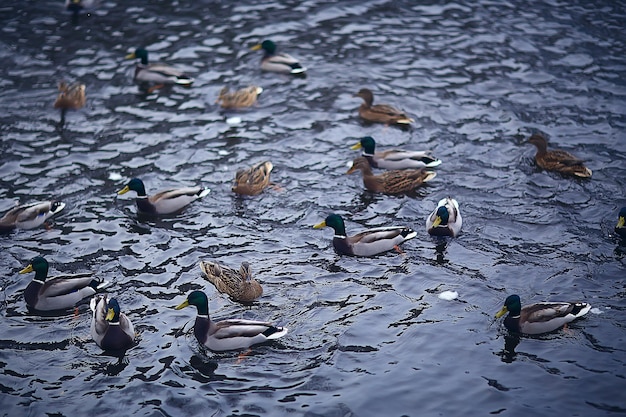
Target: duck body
(446,219)
(70,97)
(273,61)
(244,97)
(395,158)
(620,227)
(391,182)
(558,160)
(29,216)
(156,74)
(228,334)
(380,113)
(60,292)
(238,284)
(110,329)
(164,202)
(540,318)
(369,242)
(253,180)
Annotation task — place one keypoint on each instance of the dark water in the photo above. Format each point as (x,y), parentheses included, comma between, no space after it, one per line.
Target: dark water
(369,337)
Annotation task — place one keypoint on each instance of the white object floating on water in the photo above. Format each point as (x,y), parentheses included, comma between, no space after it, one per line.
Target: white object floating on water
(233,120)
(449,295)
(114,176)
(222,152)
(596,310)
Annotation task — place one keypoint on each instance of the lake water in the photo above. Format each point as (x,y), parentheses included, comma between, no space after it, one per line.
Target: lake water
(368,337)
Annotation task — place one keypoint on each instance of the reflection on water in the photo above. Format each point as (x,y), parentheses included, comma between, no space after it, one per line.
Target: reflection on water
(367,336)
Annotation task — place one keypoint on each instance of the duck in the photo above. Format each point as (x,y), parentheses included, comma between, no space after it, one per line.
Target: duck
(620,227)
(557,160)
(70,97)
(244,97)
(238,284)
(391,182)
(156,75)
(75,7)
(228,334)
(446,219)
(394,158)
(29,216)
(380,113)
(61,292)
(278,62)
(539,318)
(164,202)
(110,329)
(251,181)
(369,242)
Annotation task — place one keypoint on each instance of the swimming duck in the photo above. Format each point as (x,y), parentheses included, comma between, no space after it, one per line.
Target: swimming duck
(29,216)
(446,219)
(380,113)
(369,242)
(60,292)
(278,62)
(557,160)
(620,227)
(228,334)
(244,97)
(157,74)
(394,158)
(164,202)
(70,97)
(251,181)
(110,329)
(391,182)
(239,284)
(540,317)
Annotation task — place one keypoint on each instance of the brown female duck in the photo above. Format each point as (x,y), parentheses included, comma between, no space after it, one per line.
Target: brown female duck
(244,97)
(557,160)
(391,182)
(239,284)
(380,113)
(253,180)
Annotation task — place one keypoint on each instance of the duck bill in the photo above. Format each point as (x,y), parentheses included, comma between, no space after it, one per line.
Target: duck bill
(437,221)
(182,305)
(110,315)
(356,147)
(320,225)
(621,222)
(26,270)
(502,312)
(130,56)
(256,47)
(124,190)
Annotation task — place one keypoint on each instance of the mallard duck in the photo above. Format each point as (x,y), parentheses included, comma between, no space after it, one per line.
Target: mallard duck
(29,216)
(164,202)
(60,292)
(446,219)
(380,113)
(277,62)
(369,242)
(71,96)
(251,181)
(110,329)
(539,318)
(239,284)
(620,227)
(156,74)
(77,6)
(394,158)
(391,182)
(228,334)
(557,160)
(244,97)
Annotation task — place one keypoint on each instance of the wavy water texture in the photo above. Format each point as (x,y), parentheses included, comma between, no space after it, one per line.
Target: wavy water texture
(367,336)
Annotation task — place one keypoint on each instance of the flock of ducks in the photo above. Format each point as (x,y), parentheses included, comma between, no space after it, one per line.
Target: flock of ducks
(402,172)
